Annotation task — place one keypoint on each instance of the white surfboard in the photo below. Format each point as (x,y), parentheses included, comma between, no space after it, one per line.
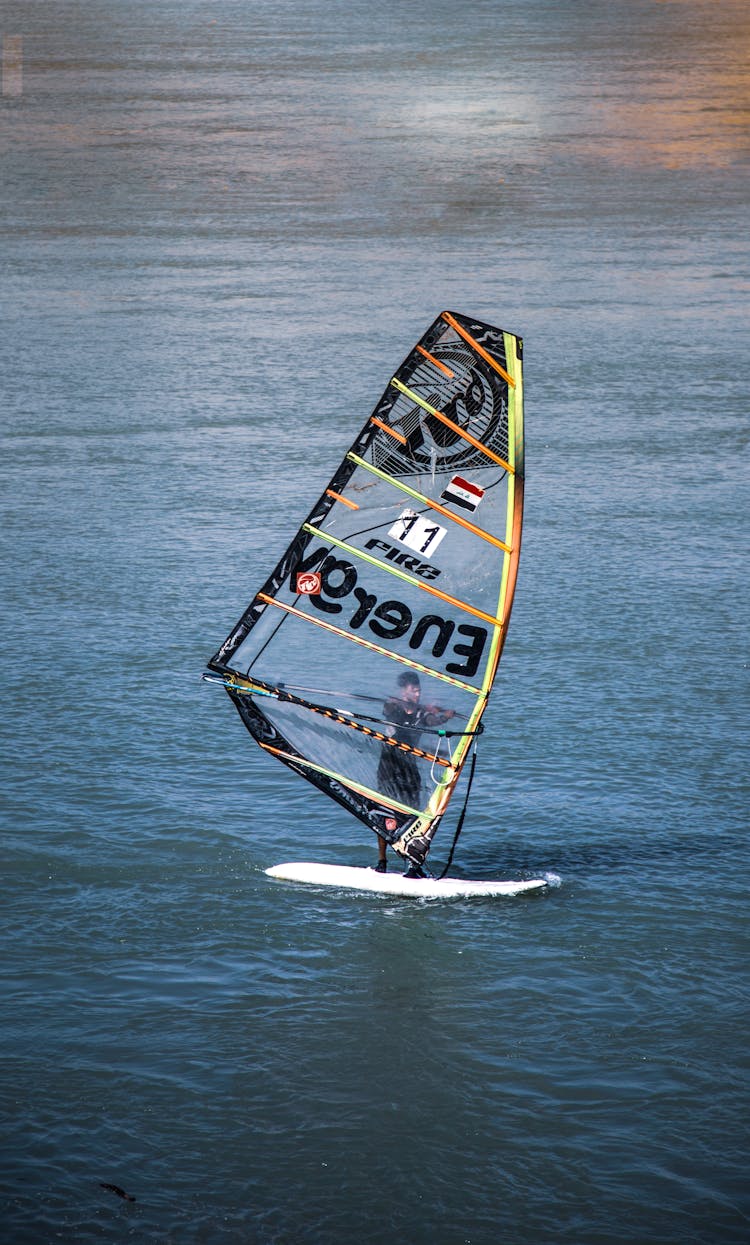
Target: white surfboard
(351,878)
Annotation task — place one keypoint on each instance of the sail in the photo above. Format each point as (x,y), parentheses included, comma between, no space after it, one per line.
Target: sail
(365,661)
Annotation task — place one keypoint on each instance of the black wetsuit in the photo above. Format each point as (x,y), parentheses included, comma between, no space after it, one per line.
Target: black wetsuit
(398,772)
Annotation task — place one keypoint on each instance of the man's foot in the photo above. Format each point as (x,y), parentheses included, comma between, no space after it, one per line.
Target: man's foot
(381,866)
(414,871)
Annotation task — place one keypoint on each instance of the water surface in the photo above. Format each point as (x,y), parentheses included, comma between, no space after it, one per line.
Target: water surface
(223,226)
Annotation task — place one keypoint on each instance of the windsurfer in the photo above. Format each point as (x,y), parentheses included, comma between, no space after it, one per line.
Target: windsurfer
(398,773)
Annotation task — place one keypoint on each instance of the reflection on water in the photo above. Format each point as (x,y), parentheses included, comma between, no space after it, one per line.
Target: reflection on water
(349,131)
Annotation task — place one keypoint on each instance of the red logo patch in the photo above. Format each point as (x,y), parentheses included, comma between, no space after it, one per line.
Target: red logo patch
(308,583)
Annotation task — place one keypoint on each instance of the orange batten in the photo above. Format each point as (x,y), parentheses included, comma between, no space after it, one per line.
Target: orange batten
(446,315)
(387,428)
(434,505)
(375,648)
(454,427)
(436,362)
(337,497)
(400,808)
(470,527)
(381,738)
(470,609)
(472,440)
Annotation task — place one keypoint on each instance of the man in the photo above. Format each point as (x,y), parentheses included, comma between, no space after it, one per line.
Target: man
(398,772)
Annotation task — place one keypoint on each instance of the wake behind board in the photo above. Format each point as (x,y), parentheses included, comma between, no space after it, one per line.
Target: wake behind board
(347,877)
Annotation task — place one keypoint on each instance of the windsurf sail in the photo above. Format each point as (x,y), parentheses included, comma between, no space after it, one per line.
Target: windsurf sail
(365,660)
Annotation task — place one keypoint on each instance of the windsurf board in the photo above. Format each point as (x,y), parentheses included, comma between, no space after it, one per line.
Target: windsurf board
(349,877)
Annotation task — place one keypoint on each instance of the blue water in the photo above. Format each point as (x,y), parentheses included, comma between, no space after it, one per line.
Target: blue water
(222,227)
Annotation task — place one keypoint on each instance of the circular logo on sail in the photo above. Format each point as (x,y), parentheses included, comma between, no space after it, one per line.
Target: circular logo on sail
(308,583)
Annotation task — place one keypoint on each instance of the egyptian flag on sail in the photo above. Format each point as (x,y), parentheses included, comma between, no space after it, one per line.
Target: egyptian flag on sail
(463,493)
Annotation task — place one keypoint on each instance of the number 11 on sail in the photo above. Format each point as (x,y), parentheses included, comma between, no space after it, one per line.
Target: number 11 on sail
(416,532)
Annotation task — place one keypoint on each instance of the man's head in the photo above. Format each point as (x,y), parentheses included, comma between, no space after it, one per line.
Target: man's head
(409,687)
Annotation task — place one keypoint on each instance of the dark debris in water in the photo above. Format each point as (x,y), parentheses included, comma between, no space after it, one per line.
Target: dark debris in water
(115,1188)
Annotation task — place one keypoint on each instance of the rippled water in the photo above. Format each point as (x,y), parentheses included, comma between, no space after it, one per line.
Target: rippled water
(222,227)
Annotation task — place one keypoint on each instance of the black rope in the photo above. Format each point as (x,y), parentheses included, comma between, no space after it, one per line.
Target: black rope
(460,825)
